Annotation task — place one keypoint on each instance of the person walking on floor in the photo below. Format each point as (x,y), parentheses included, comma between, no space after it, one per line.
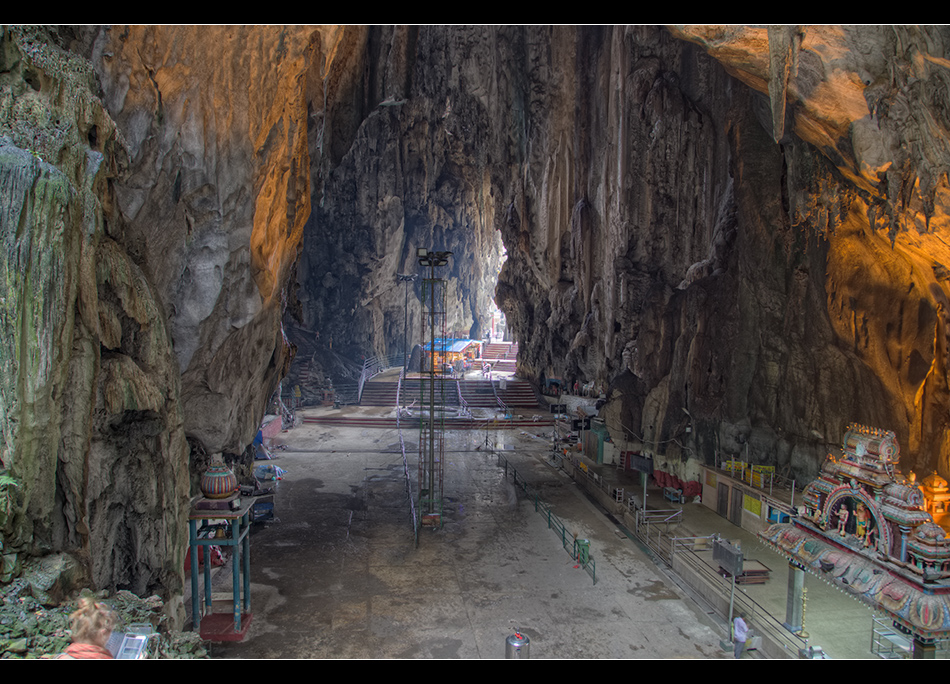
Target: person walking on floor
(740,633)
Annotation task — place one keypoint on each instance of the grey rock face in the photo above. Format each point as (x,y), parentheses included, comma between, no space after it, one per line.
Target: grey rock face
(715,202)
(415,174)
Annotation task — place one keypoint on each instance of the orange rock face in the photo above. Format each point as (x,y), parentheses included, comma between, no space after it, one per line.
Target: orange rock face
(870,100)
(218,122)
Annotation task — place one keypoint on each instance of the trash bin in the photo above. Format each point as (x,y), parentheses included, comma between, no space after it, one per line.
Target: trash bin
(517,646)
(583,550)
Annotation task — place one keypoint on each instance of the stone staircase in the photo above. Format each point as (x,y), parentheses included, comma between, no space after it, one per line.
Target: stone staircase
(383,392)
(517,393)
(503,355)
(476,393)
(513,423)
(378,394)
(412,390)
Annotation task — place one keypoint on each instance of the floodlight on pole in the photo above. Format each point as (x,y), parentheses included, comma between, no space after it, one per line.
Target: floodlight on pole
(432,420)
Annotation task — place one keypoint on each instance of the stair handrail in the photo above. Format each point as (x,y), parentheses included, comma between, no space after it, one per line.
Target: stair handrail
(502,405)
(375,365)
(464,409)
(402,374)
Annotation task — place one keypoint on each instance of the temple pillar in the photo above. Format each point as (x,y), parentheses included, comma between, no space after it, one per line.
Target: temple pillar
(905,533)
(793,601)
(924,649)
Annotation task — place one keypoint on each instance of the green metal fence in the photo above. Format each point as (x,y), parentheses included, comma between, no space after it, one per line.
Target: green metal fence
(578,548)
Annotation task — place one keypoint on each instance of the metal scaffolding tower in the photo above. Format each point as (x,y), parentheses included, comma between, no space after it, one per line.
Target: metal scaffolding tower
(432,383)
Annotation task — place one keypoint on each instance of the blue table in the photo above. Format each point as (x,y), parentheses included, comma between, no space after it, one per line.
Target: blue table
(236,522)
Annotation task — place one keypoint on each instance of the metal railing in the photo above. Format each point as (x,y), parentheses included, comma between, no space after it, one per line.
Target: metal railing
(375,365)
(653,529)
(765,482)
(705,578)
(578,548)
(346,393)
(706,583)
(891,643)
(592,477)
(413,516)
(501,405)
(464,409)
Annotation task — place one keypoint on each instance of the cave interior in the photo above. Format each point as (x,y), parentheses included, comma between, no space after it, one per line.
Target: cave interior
(736,234)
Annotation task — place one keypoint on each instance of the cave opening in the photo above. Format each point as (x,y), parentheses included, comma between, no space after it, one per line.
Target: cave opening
(498,328)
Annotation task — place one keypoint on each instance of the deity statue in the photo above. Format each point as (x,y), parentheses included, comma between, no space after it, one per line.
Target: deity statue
(843,514)
(862,519)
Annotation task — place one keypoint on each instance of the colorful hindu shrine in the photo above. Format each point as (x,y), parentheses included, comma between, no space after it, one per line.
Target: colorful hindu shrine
(864,526)
(458,353)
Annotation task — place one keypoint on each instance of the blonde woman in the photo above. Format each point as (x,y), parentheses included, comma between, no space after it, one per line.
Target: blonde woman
(91,625)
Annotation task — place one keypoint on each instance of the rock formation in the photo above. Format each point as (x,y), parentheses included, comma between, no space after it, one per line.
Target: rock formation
(92,421)
(156,185)
(860,119)
(414,171)
(752,215)
(741,230)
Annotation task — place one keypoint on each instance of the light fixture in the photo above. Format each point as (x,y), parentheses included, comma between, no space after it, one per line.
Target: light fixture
(432,259)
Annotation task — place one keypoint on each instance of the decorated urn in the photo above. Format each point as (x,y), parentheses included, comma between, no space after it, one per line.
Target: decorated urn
(218,482)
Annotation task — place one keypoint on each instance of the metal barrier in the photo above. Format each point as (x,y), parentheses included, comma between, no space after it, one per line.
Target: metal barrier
(891,643)
(464,408)
(707,584)
(703,578)
(413,517)
(657,541)
(288,414)
(346,393)
(652,527)
(578,548)
(592,477)
(502,406)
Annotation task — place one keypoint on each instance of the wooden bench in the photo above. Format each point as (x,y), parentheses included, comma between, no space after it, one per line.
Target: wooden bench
(753,572)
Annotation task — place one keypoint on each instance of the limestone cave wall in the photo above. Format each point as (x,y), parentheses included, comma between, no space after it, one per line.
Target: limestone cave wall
(858,116)
(93,443)
(411,166)
(155,185)
(667,248)
(735,230)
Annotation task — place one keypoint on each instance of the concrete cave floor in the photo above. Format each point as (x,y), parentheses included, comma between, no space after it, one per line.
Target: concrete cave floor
(337,574)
